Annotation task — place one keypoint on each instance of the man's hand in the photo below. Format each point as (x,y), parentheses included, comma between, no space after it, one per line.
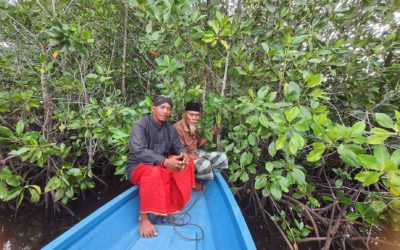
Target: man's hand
(177,162)
(185,158)
(214,130)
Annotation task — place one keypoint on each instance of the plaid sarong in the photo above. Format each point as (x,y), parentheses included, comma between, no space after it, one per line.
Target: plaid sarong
(211,160)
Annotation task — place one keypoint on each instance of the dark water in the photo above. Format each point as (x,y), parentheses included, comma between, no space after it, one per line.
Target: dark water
(28,231)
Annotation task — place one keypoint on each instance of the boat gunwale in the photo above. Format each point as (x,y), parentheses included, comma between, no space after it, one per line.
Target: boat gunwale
(93,219)
(235,212)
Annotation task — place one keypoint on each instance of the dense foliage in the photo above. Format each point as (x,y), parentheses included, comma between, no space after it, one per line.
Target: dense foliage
(307,92)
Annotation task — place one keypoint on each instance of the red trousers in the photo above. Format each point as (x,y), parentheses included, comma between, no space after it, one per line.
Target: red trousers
(161,190)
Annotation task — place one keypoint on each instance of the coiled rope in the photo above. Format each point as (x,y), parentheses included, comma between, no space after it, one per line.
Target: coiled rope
(183,218)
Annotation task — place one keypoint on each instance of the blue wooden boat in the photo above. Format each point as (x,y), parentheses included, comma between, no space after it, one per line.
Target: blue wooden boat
(220,225)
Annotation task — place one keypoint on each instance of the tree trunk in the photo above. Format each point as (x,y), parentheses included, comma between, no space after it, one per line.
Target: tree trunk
(47,104)
(123,84)
(47,120)
(239,8)
(225,74)
(53,5)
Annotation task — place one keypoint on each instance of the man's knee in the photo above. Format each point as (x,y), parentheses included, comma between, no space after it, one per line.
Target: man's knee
(203,166)
(152,171)
(220,161)
(223,156)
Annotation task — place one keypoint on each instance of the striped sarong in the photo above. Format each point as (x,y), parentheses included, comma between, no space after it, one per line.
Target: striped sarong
(210,161)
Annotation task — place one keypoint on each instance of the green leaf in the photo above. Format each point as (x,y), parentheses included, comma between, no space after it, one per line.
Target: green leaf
(312,80)
(69,192)
(316,154)
(5,173)
(244,177)
(291,91)
(60,193)
(299,176)
(269,166)
(397,115)
(218,119)
(276,191)
(380,132)
(271,96)
(52,184)
(260,182)
(292,113)
(280,142)
(38,189)
(214,24)
(303,125)
(376,139)
(278,117)
(246,158)
(381,154)
(225,44)
(284,184)
(338,183)
(395,158)
(368,178)
(292,148)
(358,128)
(270,7)
(378,206)
(262,92)
(272,149)
(19,128)
(394,179)
(13,181)
(252,139)
(265,47)
(369,161)
(3,191)
(389,166)
(263,120)
(92,76)
(352,217)
(348,154)
(314,201)
(6,132)
(35,196)
(75,172)
(384,120)
(299,39)
(298,141)
(13,193)
(19,152)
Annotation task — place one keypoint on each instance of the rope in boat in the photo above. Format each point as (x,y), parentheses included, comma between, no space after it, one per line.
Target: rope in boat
(179,220)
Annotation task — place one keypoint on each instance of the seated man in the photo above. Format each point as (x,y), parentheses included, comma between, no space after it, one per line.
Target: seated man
(159,165)
(204,161)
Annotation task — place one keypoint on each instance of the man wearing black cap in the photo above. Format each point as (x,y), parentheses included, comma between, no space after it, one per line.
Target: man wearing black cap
(159,164)
(204,161)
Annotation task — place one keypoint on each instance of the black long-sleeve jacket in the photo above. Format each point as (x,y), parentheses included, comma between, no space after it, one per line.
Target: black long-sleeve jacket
(151,143)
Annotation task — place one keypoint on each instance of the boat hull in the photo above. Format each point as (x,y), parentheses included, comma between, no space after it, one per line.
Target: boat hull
(214,222)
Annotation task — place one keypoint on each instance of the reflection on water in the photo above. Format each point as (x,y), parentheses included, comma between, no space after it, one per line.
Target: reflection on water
(28,230)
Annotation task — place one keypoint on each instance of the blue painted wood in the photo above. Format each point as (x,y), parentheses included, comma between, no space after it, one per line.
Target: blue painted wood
(115,225)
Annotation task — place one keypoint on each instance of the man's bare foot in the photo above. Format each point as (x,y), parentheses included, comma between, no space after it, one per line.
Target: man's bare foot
(146,227)
(198,187)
